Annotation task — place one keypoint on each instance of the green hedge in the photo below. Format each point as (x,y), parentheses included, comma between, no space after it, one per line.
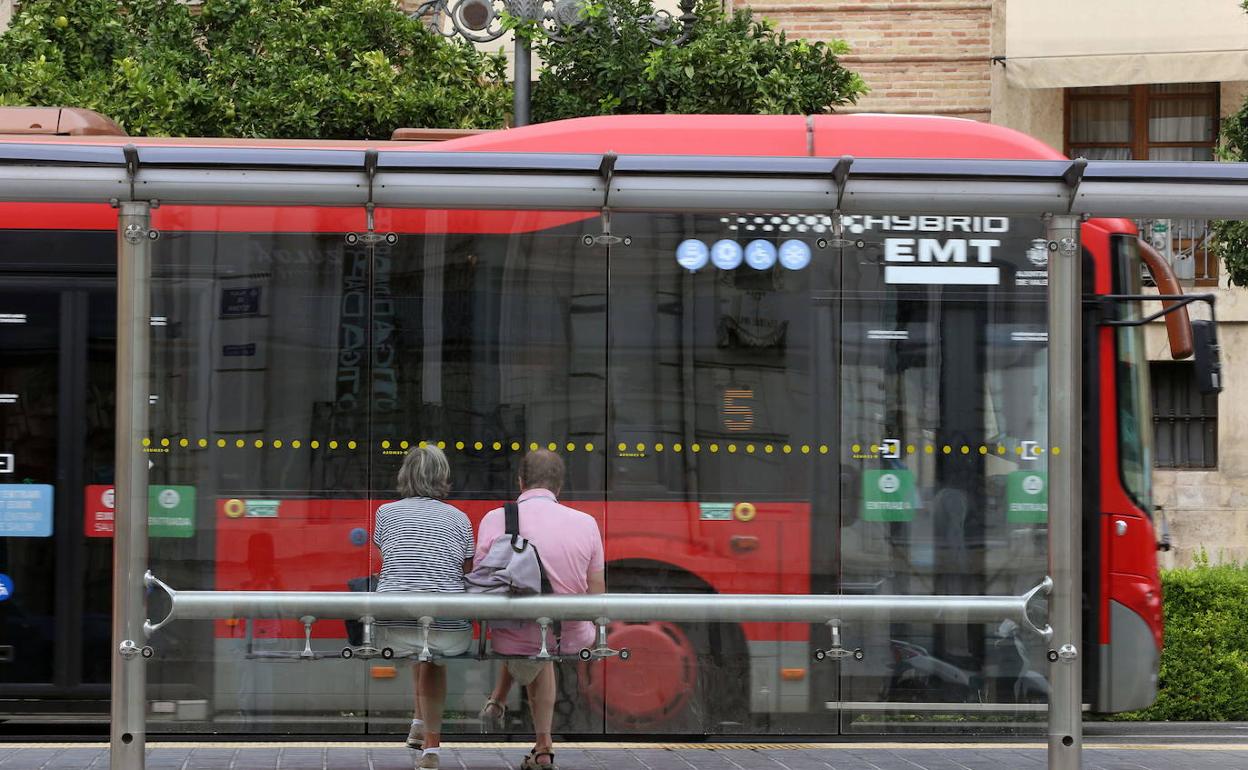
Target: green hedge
(1204,666)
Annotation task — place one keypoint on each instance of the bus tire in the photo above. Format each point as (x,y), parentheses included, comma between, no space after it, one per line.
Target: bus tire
(711,658)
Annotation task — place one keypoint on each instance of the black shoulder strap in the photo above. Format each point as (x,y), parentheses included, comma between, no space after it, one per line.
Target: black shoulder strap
(511,512)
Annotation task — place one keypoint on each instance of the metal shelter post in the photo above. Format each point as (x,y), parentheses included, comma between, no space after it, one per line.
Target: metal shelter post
(1065,492)
(129,680)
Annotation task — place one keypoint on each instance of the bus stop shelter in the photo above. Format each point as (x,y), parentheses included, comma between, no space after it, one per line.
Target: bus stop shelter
(1063,193)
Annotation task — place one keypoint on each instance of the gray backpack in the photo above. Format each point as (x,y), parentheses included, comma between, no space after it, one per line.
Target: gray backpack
(512,566)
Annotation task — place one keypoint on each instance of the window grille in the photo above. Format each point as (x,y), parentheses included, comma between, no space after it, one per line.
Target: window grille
(1185,421)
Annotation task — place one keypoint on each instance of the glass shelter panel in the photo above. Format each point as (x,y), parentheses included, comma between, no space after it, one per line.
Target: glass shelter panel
(488,333)
(259,461)
(745,404)
(943,402)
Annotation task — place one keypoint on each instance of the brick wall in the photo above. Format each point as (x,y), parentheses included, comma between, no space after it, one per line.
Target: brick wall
(918,56)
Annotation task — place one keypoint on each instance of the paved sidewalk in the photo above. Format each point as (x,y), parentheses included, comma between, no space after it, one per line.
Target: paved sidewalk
(779,756)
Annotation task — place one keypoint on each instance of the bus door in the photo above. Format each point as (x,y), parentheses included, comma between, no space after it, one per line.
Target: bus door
(942,388)
(56,438)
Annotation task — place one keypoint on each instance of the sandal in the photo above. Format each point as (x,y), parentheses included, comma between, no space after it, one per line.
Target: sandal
(489,722)
(530,761)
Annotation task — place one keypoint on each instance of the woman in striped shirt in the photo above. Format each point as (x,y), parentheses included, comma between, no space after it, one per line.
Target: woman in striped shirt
(426,545)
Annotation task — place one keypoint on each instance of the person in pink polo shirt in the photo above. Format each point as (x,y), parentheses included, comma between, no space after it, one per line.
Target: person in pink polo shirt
(570,547)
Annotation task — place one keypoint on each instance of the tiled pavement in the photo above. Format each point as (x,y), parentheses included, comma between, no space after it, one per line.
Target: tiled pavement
(843,756)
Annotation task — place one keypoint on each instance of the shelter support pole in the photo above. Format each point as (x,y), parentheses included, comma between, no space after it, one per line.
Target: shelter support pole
(129,680)
(1065,492)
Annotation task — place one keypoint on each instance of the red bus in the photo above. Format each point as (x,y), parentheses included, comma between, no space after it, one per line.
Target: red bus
(748,402)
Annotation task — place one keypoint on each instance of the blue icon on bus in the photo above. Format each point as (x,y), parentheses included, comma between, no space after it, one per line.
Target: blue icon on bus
(760,254)
(6,586)
(794,254)
(359,536)
(726,254)
(692,254)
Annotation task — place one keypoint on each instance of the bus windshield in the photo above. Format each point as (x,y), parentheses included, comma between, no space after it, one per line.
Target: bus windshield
(1135,428)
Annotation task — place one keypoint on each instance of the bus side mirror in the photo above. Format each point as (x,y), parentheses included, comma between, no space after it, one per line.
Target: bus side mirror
(1208,357)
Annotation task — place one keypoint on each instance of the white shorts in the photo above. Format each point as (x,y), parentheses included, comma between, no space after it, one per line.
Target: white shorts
(407,640)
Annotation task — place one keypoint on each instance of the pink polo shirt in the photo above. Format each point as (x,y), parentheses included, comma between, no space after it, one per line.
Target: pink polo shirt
(570,546)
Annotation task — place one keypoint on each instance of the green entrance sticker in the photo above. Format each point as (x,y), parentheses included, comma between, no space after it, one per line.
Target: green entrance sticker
(262,509)
(1027,497)
(715,511)
(171,511)
(888,495)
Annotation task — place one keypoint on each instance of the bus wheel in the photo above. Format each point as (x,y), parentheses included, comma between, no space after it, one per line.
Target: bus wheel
(688,678)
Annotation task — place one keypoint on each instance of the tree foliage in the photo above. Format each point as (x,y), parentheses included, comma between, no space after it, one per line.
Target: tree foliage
(617,62)
(249,68)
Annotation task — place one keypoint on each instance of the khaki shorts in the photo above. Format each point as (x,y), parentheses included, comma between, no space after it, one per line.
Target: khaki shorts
(406,640)
(525,671)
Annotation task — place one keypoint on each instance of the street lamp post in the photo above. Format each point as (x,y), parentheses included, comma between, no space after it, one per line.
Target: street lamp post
(481,21)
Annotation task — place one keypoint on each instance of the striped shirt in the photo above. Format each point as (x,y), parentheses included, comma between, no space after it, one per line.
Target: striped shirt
(423,545)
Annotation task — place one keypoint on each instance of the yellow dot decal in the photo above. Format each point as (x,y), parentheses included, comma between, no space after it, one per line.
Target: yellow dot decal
(1000,449)
(350,445)
(515,446)
(640,448)
(315,444)
(1018,450)
(533,446)
(806,449)
(203,442)
(676,447)
(749,449)
(497,445)
(234,508)
(658,447)
(441,445)
(477,446)
(983,450)
(459,445)
(732,448)
(589,447)
(622,447)
(946,449)
(823,449)
(874,448)
(1057,450)
(552,446)
(787,448)
(714,448)
(333,445)
(696,447)
(856,448)
(184,442)
(296,444)
(277,443)
(147,442)
(258,443)
(403,445)
(240,443)
(164,442)
(909,449)
(768,449)
(385,444)
(423,444)
(966,449)
(744,511)
(221,442)
(929,449)
(571,447)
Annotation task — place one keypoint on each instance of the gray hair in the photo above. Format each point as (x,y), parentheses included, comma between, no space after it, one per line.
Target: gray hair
(425,473)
